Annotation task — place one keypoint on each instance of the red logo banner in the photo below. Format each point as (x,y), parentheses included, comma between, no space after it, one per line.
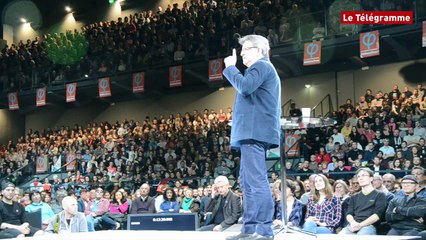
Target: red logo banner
(215,69)
(104,87)
(312,53)
(138,82)
(13,101)
(71,163)
(175,76)
(41,164)
(369,44)
(40,97)
(291,145)
(424,34)
(71,91)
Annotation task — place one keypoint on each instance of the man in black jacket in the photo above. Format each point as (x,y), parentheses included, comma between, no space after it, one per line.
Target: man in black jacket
(225,207)
(405,213)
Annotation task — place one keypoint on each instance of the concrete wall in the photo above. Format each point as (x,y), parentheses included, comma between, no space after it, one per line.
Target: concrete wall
(12,125)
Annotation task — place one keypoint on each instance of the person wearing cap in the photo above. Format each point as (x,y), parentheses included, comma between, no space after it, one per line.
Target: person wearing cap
(405,213)
(225,207)
(13,220)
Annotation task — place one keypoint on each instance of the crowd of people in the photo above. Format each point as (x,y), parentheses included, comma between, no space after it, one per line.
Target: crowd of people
(197,30)
(376,150)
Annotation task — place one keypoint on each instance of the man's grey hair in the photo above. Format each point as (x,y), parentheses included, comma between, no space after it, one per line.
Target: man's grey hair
(257,41)
(391,176)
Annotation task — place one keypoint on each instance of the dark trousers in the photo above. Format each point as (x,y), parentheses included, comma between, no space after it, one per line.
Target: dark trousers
(400,232)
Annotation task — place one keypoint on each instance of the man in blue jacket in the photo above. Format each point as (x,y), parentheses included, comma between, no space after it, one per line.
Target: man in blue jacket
(255,128)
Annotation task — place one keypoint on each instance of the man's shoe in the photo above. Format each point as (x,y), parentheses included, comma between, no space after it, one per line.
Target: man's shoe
(241,236)
(256,236)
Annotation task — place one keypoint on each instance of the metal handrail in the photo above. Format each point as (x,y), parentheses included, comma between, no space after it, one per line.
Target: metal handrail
(290,101)
(321,105)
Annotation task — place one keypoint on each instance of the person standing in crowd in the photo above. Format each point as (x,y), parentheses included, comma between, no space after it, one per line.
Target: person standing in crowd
(69,220)
(257,101)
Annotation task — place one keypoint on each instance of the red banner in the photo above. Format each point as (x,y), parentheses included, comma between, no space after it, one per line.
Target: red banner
(13,101)
(369,44)
(424,34)
(312,53)
(215,69)
(40,97)
(41,164)
(291,145)
(71,92)
(175,76)
(71,163)
(138,82)
(104,87)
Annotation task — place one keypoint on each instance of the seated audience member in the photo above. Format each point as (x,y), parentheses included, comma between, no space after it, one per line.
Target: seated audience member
(389,182)
(309,188)
(411,139)
(404,212)
(159,198)
(225,207)
(12,216)
(294,206)
(95,209)
(378,184)
(294,111)
(366,207)
(419,173)
(69,220)
(46,211)
(170,203)
(117,213)
(57,201)
(83,200)
(341,191)
(188,203)
(324,211)
(144,203)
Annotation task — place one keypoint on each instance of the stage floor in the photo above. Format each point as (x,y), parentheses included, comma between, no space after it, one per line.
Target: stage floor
(189,235)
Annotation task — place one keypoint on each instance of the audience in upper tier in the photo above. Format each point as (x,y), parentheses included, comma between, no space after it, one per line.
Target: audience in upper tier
(196,30)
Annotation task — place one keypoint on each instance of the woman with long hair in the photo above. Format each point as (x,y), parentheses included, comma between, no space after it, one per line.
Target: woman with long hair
(294,206)
(324,211)
(170,203)
(299,189)
(118,209)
